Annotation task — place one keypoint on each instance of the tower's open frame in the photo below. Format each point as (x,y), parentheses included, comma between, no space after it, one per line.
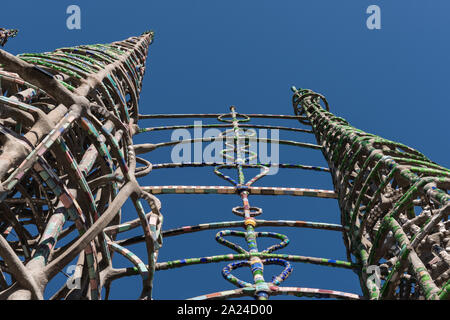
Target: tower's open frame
(68,164)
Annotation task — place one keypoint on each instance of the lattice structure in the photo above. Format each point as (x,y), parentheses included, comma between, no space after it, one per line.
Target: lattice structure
(237,136)
(68,164)
(394,206)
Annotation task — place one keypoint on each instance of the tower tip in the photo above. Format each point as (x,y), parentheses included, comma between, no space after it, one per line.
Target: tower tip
(150,32)
(5,34)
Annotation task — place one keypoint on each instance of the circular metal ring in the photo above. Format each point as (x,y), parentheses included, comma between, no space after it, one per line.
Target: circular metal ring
(221,117)
(304,93)
(239,211)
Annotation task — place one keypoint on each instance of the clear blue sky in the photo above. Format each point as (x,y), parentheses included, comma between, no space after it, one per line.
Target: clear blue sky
(208,55)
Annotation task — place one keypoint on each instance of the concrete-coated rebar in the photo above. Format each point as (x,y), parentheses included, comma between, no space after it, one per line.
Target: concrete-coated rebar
(68,164)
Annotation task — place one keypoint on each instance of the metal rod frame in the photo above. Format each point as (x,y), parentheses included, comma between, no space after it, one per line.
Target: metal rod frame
(68,164)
